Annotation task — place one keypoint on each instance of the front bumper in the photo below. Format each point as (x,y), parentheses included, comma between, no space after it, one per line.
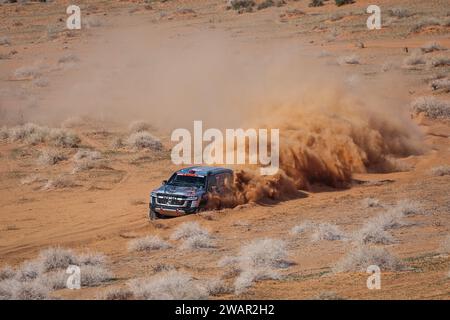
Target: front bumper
(174,210)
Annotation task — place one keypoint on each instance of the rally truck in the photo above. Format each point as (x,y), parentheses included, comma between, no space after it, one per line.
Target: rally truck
(187,191)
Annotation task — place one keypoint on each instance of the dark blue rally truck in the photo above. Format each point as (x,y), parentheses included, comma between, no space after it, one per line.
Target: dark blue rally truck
(187,191)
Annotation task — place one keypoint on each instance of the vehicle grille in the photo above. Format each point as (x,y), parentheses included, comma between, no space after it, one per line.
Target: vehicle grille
(170,200)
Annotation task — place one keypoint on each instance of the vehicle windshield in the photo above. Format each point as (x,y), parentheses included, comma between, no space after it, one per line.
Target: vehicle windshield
(187,181)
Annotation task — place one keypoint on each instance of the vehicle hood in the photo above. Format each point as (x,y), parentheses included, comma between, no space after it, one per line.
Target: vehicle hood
(179,190)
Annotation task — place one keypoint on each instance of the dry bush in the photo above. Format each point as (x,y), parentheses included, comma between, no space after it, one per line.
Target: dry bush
(29,133)
(359,258)
(4,40)
(118,294)
(445,245)
(373,232)
(91,259)
(139,126)
(240,5)
(216,287)
(315,3)
(187,230)
(414,59)
(441,171)
(352,59)
(32,179)
(117,143)
(147,244)
(94,275)
(41,82)
(27,73)
(258,261)
(172,285)
(327,231)
(60,182)
(12,289)
(56,258)
(439,61)
(399,12)
(431,107)
(303,227)
(54,280)
(425,22)
(7,273)
(328,295)
(143,140)
(87,160)
(441,84)
(4,133)
(343,2)
(68,58)
(63,138)
(199,241)
(29,270)
(371,203)
(408,207)
(50,157)
(431,47)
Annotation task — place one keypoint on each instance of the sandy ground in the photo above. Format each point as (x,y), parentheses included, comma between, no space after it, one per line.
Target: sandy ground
(108,207)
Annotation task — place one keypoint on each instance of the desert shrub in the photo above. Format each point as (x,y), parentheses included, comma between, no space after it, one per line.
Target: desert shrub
(54,280)
(31,179)
(216,287)
(118,294)
(12,289)
(94,275)
(241,4)
(431,107)
(328,295)
(7,273)
(187,230)
(303,227)
(29,133)
(29,270)
(441,170)
(68,58)
(265,4)
(352,59)
(198,241)
(64,138)
(358,259)
(50,157)
(399,12)
(259,260)
(445,245)
(441,84)
(41,82)
(414,59)
(27,73)
(91,259)
(87,160)
(432,46)
(147,244)
(139,126)
(4,134)
(327,231)
(408,207)
(117,143)
(56,258)
(371,203)
(343,2)
(172,285)
(4,41)
(373,232)
(425,22)
(439,61)
(60,182)
(143,140)
(315,3)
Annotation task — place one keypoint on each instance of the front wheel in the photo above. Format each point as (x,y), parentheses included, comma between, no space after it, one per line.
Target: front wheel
(153,215)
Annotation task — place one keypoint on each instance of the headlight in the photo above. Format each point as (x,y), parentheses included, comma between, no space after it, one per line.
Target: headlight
(153,194)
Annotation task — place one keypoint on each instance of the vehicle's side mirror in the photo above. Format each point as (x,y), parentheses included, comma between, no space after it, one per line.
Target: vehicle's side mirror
(164,182)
